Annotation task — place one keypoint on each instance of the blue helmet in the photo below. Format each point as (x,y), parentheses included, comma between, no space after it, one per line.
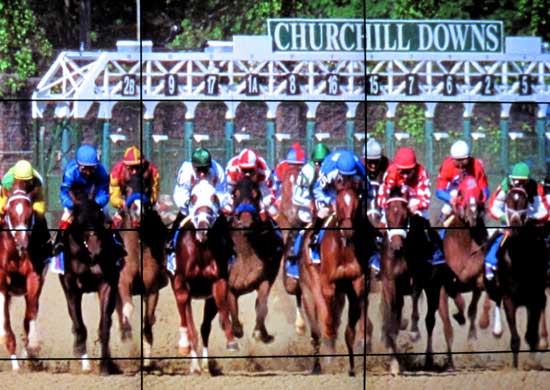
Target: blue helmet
(346,164)
(296,154)
(87,155)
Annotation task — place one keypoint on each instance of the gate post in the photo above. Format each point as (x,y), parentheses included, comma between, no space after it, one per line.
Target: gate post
(429,136)
(270,132)
(390,129)
(350,124)
(229,131)
(541,137)
(147,138)
(189,129)
(105,144)
(505,142)
(467,122)
(310,125)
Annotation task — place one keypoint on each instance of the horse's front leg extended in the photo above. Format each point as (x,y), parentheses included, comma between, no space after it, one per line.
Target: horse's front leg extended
(151,301)
(107,301)
(124,308)
(219,292)
(74,307)
(510,311)
(260,331)
(7,332)
(233,304)
(31,312)
(472,312)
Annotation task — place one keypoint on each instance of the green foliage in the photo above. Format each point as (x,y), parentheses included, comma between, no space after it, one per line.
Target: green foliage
(22,45)
(411,120)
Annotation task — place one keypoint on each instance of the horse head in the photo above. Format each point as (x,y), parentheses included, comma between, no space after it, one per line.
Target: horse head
(469,201)
(397,216)
(204,207)
(347,203)
(19,219)
(88,224)
(515,205)
(246,197)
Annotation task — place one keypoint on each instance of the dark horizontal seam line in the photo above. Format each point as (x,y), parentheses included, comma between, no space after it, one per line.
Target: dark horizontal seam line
(138,99)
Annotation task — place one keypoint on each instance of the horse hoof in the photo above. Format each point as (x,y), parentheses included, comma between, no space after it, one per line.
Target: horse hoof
(316,370)
(460,319)
(404,324)
(185,351)
(232,346)
(498,334)
(351,373)
(543,344)
(109,368)
(195,369)
(126,335)
(301,329)
(237,331)
(264,337)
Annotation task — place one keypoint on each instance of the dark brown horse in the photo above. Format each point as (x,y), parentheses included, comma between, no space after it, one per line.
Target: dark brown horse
(199,274)
(338,276)
(91,264)
(405,270)
(290,224)
(464,246)
(19,275)
(521,271)
(259,247)
(143,272)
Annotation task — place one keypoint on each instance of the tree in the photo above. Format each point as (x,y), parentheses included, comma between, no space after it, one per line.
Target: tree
(23,46)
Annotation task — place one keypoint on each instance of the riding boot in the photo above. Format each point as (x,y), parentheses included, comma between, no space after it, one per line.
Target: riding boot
(170,245)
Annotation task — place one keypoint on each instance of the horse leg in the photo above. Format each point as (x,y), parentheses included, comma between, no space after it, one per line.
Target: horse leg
(151,301)
(107,302)
(510,310)
(354,295)
(484,318)
(187,343)
(364,330)
(219,293)
(260,331)
(391,321)
(447,327)
(415,333)
(193,338)
(472,312)
(32,344)
(459,304)
(543,340)
(124,310)
(299,323)
(310,310)
(7,332)
(533,318)
(74,306)
(233,304)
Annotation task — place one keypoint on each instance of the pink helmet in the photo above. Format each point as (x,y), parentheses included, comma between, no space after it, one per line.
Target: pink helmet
(405,158)
(248,159)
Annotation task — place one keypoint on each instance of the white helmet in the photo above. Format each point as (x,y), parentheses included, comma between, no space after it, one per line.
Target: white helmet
(374,150)
(460,150)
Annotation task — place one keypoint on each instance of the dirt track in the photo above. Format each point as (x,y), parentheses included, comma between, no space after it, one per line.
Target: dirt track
(242,370)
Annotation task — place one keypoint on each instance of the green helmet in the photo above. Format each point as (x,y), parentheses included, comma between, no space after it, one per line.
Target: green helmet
(520,171)
(320,151)
(201,158)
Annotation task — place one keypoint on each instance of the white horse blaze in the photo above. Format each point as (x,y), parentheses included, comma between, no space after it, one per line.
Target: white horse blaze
(347,199)
(19,209)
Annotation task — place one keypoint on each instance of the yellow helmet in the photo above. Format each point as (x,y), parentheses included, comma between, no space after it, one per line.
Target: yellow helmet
(22,170)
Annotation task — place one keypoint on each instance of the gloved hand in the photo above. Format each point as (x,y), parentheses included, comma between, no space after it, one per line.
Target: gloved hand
(66,219)
(117,220)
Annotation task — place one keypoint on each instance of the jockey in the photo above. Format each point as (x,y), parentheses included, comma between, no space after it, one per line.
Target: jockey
(202,167)
(520,177)
(84,172)
(376,163)
(302,199)
(295,156)
(337,165)
(132,165)
(406,171)
(249,163)
(23,175)
(453,169)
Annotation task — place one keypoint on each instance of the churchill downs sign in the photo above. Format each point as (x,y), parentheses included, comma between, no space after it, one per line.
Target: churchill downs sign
(434,36)
(372,35)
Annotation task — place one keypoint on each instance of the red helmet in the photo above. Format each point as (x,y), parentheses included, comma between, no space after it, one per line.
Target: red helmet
(248,159)
(405,158)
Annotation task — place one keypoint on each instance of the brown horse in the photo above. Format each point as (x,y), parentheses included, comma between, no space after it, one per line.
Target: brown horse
(91,264)
(405,270)
(521,282)
(143,273)
(464,246)
(259,247)
(290,224)
(199,274)
(19,275)
(340,274)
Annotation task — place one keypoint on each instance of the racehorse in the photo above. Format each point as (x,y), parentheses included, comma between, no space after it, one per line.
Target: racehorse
(143,273)
(339,274)
(259,247)
(19,274)
(521,271)
(199,274)
(91,261)
(464,246)
(405,270)
(290,223)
